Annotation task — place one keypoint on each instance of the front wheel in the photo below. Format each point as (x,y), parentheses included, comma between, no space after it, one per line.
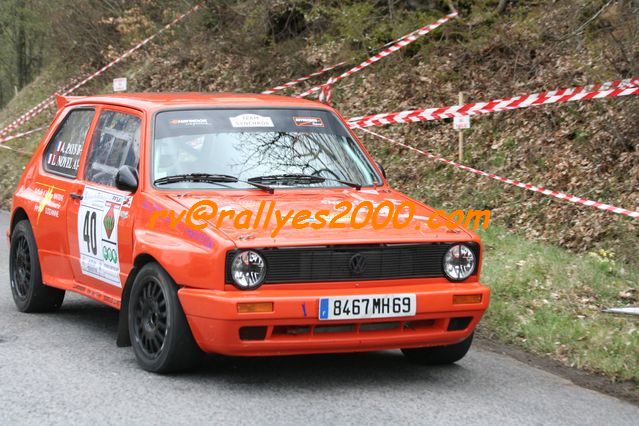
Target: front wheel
(160,335)
(438,355)
(29,293)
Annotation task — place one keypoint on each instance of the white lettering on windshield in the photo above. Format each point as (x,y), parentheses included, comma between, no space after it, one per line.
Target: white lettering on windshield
(251,120)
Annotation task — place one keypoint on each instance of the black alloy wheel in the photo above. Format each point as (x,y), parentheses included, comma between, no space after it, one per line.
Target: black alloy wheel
(21,267)
(30,294)
(160,334)
(151,318)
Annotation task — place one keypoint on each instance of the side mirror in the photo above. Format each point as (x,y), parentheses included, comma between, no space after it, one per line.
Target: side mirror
(381,168)
(127,179)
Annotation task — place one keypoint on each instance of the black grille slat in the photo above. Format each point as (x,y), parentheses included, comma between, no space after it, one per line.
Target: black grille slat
(313,264)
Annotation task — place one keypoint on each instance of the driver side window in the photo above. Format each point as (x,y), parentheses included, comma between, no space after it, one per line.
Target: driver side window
(115,143)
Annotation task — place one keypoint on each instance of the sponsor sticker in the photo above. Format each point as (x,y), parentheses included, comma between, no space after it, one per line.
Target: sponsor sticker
(98,234)
(251,120)
(50,200)
(308,121)
(66,157)
(189,122)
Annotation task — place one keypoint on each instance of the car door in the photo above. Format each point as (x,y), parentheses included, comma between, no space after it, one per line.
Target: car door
(52,190)
(101,247)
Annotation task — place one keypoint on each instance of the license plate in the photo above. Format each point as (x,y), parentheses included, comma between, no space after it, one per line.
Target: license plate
(359,307)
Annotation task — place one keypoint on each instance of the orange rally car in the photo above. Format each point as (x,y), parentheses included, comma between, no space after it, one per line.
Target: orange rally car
(82,221)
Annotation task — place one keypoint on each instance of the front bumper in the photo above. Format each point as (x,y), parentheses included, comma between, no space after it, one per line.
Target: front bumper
(293,326)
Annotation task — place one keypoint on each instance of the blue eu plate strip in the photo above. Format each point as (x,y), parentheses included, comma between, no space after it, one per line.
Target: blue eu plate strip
(323,311)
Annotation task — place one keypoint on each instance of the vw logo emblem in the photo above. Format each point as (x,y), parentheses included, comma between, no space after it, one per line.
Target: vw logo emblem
(357,264)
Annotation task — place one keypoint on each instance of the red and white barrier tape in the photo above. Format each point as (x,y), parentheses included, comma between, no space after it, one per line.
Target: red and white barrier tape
(18,135)
(326,94)
(301,79)
(395,47)
(327,69)
(397,40)
(604,90)
(18,151)
(527,186)
(51,99)
(332,67)
(136,47)
(39,107)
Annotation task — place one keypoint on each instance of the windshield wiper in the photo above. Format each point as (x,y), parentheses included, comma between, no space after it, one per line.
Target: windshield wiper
(208,178)
(299,177)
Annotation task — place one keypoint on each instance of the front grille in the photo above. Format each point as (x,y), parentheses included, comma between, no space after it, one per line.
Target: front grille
(382,262)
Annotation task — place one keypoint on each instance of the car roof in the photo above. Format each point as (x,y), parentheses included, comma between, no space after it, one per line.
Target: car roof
(158,101)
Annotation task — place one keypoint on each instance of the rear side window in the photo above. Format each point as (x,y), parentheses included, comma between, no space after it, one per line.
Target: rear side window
(115,143)
(62,155)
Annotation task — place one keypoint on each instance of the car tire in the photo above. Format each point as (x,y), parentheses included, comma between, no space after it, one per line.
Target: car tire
(25,276)
(160,334)
(438,355)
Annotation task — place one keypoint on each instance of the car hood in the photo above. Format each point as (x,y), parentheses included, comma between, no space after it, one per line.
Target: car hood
(250,235)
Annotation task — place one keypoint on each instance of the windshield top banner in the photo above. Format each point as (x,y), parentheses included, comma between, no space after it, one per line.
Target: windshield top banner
(195,122)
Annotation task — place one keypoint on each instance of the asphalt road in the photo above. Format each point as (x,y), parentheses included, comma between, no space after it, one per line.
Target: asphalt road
(65,368)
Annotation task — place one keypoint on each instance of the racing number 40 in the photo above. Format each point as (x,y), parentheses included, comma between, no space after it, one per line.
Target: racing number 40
(90,233)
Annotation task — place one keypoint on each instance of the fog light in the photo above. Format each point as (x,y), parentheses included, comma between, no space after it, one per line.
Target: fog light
(462,299)
(458,324)
(253,333)
(245,308)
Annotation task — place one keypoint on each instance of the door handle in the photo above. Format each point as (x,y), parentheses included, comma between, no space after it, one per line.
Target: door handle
(76,196)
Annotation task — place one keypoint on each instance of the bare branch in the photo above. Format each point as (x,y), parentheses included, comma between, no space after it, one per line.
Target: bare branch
(583,26)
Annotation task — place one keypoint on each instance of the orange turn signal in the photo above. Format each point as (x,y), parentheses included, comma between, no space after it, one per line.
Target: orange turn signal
(462,299)
(245,308)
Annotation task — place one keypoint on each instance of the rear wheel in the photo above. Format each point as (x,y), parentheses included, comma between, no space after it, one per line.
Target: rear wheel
(437,355)
(160,335)
(29,293)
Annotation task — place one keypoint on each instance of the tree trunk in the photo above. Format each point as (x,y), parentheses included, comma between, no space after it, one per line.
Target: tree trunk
(501,7)
(21,49)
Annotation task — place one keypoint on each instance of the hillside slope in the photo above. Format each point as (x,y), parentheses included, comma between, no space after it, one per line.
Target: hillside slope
(588,149)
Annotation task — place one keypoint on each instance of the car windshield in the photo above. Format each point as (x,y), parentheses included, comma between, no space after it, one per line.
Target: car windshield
(256,144)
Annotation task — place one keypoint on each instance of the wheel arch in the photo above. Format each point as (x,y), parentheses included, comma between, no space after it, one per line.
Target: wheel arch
(18,214)
(124,339)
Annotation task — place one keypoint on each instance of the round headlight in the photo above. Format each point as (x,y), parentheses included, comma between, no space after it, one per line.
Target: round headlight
(248,270)
(459,262)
